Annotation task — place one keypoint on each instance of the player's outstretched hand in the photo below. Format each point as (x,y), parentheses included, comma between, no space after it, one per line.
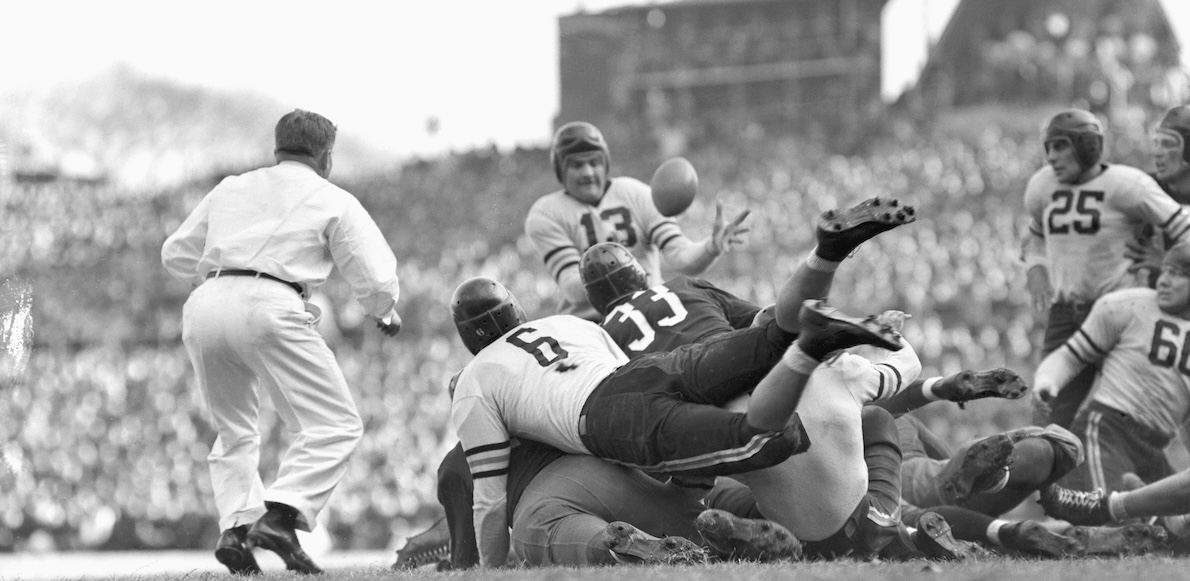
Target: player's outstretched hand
(1037,281)
(390,328)
(724,234)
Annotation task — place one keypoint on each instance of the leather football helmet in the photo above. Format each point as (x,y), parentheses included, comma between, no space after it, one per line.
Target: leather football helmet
(577,137)
(1177,120)
(484,311)
(1082,129)
(610,273)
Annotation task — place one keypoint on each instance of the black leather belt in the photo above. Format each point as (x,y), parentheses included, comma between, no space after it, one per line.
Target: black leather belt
(239,272)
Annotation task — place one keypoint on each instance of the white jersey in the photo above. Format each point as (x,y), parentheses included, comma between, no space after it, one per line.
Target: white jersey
(562,228)
(1146,365)
(531,382)
(1080,231)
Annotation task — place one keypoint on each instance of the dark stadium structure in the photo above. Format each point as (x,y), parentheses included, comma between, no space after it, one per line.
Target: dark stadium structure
(776,62)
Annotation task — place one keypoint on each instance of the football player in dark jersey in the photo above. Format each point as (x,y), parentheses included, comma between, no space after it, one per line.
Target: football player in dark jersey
(860,514)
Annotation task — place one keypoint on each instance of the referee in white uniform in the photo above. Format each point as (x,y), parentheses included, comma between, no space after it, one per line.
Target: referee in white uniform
(255,247)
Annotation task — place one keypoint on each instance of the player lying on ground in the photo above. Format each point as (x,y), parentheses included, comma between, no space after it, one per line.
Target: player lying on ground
(727,314)
(563,381)
(574,510)
(645,319)
(985,478)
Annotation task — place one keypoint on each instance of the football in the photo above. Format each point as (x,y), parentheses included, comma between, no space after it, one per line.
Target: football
(674,185)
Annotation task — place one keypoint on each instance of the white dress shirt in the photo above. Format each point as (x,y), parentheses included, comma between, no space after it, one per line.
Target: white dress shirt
(287,221)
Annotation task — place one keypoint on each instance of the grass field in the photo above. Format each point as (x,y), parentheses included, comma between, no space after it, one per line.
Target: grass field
(373,566)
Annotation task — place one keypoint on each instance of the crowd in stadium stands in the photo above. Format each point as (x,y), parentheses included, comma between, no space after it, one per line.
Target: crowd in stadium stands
(104,439)
(1064,60)
(725,36)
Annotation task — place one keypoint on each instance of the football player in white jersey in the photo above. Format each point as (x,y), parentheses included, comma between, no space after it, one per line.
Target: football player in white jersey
(1084,212)
(1171,156)
(593,207)
(563,381)
(1141,396)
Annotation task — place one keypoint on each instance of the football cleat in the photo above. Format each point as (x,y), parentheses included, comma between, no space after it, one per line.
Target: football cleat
(967,385)
(1032,538)
(429,546)
(840,232)
(1077,507)
(825,330)
(982,466)
(737,538)
(629,544)
(934,539)
(1132,539)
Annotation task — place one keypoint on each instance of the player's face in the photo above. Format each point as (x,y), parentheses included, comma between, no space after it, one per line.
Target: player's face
(585,176)
(1167,155)
(1059,153)
(1173,290)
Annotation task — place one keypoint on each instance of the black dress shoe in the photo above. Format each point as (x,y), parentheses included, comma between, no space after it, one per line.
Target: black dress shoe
(234,553)
(275,531)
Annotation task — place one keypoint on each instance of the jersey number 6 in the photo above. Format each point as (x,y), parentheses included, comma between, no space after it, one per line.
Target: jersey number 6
(534,346)
(1163,352)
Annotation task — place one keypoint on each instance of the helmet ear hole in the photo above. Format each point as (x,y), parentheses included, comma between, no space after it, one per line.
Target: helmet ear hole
(610,273)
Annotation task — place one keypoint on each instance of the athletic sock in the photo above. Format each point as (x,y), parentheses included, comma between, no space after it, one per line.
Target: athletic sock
(1115,507)
(798,361)
(997,527)
(820,264)
(927,388)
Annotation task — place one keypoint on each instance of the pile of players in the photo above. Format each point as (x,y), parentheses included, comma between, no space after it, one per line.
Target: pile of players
(673,422)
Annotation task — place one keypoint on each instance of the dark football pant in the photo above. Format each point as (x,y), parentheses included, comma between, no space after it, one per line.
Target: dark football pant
(660,412)
(569,503)
(456,492)
(1116,444)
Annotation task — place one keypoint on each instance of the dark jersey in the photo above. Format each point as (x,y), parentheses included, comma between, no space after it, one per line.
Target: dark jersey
(683,310)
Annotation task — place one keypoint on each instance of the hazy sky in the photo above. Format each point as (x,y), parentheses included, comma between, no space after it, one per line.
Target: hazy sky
(487,69)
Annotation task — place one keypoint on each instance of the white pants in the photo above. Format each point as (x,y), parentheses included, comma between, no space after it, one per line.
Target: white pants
(244,332)
(815,492)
